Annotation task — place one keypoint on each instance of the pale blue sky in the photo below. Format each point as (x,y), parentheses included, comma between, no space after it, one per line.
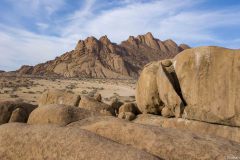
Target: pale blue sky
(33,31)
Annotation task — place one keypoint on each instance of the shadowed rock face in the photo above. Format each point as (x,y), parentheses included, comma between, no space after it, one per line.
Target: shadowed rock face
(102,58)
(26,142)
(14,111)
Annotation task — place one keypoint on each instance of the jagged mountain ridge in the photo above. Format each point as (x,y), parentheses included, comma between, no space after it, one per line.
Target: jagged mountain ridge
(103,59)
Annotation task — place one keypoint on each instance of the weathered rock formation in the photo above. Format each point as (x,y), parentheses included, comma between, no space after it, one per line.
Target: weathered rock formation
(14,111)
(162,142)
(147,96)
(104,59)
(56,96)
(94,105)
(59,114)
(26,142)
(198,127)
(129,107)
(209,78)
(200,84)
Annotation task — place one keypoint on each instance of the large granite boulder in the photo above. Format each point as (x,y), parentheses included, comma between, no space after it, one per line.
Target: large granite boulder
(147,97)
(94,105)
(228,132)
(200,84)
(129,107)
(158,90)
(58,114)
(38,142)
(162,142)
(209,78)
(15,111)
(56,96)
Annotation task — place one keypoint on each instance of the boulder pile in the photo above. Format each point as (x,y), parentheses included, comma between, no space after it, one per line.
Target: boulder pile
(198,84)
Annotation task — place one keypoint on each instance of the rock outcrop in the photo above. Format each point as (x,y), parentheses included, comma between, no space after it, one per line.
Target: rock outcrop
(162,142)
(147,96)
(209,78)
(198,127)
(92,104)
(58,114)
(14,111)
(200,84)
(56,96)
(129,107)
(25,69)
(26,142)
(104,59)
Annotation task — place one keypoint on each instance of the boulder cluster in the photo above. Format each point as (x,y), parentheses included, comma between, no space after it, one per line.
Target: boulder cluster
(186,108)
(198,84)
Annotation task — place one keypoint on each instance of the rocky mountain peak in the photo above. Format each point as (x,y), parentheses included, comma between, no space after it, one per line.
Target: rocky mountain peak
(170,42)
(79,45)
(183,47)
(131,40)
(102,58)
(90,39)
(105,40)
(149,36)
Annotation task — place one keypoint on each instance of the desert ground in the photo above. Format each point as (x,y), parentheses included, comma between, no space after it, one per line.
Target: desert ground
(28,89)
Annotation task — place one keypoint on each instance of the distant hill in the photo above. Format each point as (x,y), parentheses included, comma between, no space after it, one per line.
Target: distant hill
(101,58)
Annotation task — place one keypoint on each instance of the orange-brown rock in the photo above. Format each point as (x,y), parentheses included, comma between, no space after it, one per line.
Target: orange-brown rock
(14,111)
(56,96)
(92,104)
(228,132)
(38,142)
(129,107)
(102,58)
(200,84)
(209,78)
(58,114)
(165,143)
(147,96)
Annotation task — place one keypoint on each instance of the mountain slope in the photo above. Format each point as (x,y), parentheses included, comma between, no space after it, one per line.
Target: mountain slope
(104,59)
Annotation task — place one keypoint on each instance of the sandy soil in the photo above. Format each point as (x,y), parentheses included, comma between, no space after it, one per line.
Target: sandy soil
(29,89)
